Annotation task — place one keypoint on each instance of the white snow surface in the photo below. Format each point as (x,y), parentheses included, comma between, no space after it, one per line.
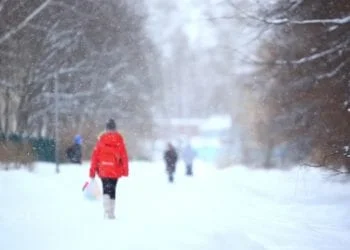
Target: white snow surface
(233,208)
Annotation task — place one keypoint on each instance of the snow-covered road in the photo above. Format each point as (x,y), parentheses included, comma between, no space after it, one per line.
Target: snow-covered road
(234,208)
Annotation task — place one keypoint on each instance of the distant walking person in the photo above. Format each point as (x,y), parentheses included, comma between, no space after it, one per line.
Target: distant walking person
(188,155)
(110,162)
(170,158)
(74,152)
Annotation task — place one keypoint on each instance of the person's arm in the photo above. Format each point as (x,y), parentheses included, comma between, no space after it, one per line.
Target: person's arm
(124,157)
(165,156)
(94,162)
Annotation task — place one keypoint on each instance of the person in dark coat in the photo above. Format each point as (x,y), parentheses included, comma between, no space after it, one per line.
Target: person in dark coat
(170,158)
(74,152)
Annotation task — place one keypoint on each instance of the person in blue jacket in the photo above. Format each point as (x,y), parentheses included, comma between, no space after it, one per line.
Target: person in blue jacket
(188,155)
(74,152)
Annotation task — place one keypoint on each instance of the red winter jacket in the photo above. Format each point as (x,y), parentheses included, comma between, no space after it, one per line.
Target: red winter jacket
(109,158)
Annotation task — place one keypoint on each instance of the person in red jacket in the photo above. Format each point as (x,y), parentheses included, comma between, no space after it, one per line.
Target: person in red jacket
(110,161)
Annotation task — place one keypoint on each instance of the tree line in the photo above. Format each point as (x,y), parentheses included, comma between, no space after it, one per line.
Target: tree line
(97,53)
(299,94)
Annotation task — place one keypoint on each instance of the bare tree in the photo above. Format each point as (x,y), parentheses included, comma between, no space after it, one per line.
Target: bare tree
(307,62)
(97,50)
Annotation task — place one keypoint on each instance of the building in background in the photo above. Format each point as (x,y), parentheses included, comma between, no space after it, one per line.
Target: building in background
(206,135)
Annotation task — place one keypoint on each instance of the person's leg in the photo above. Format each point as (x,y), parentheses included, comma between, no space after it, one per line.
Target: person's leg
(109,196)
(168,172)
(171,174)
(106,197)
(109,186)
(189,169)
(112,195)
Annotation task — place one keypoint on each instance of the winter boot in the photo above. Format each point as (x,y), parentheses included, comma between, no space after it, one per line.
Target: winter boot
(106,200)
(189,171)
(111,214)
(171,178)
(108,206)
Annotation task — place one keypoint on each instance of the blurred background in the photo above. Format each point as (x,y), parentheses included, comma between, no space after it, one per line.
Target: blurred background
(255,86)
(264,83)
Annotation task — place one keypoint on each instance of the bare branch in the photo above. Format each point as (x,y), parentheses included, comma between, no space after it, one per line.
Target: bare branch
(338,21)
(72,9)
(5,84)
(344,20)
(316,55)
(333,72)
(23,24)
(2,5)
(8,54)
(69,96)
(296,4)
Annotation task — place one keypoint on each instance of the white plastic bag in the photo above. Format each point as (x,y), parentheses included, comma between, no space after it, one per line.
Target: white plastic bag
(92,190)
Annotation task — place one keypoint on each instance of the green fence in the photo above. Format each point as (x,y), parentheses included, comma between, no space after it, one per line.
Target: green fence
(43,148)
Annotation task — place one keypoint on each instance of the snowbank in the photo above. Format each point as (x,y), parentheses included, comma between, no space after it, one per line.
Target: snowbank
(235,208)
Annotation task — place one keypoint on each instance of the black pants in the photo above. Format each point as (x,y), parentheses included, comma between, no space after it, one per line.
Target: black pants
(171,177)
(109,186)
(170,168)
(189,169)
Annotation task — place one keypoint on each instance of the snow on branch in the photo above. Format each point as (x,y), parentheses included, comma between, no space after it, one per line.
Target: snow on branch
(20,26)
(72,9)
(344,20)
(245,14)
(2,5)
(70,96)
(38,27)
(5,84)
(8,54)
(78,67)
(114,70)
(296,4)
(316,55)
(333,72)
(335,21)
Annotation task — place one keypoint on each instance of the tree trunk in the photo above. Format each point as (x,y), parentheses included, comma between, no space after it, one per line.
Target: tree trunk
(7,111)
(22,116)
(268,154)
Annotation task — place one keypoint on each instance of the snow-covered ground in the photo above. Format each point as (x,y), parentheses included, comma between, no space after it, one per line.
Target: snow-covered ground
(233,208)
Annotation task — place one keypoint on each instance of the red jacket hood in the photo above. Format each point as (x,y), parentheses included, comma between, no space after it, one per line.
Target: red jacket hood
(111,139)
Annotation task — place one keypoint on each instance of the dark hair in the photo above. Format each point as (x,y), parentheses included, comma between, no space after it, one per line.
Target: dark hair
(111,125)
